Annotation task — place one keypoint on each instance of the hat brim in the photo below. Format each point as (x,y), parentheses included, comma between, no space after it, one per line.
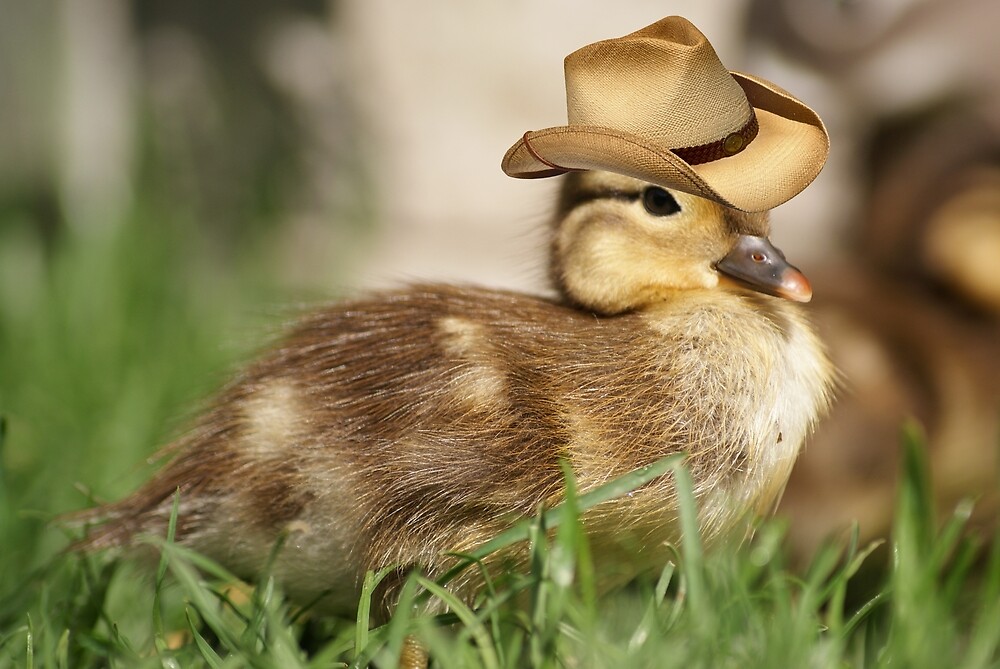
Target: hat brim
(788,152)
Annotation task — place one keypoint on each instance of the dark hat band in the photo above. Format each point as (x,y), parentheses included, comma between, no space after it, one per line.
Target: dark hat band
(729,145)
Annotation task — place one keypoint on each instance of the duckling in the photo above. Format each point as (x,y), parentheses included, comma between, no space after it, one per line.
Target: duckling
(400,428)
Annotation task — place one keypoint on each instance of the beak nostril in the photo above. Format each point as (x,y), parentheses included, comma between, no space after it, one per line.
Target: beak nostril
(758,257)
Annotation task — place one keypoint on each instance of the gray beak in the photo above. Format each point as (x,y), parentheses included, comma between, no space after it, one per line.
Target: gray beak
(756,263)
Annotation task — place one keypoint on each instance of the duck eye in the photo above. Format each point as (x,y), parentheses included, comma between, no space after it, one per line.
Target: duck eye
(659,202)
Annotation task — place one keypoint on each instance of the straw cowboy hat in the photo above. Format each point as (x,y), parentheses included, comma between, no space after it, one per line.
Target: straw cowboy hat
(658,105)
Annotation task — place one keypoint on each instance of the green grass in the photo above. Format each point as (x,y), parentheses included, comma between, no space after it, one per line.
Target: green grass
(106,344)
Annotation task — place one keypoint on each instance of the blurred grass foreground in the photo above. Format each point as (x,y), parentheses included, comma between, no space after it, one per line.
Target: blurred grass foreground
(141,258)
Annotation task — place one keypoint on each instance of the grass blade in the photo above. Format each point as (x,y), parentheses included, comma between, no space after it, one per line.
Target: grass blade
(472,624)
(984,638)
(372,580)
(644,629)
(29,643)
(207,652)
(399,626)
(692,565)
(199,595)
(161,572)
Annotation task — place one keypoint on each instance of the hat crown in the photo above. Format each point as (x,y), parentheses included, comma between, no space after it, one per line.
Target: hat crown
(664,82)
(659,106)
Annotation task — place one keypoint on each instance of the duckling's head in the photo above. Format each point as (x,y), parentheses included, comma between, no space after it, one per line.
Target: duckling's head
(620,244)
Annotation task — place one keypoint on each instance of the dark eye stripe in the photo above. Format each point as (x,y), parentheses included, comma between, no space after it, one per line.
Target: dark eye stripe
(582,197)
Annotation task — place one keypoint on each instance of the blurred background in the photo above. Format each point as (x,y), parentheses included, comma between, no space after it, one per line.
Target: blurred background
(178,179)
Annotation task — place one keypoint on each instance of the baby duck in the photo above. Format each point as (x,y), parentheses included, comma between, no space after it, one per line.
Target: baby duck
(399,429)
(402,428)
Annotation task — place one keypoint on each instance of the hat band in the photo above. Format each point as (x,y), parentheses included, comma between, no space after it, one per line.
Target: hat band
(729,145)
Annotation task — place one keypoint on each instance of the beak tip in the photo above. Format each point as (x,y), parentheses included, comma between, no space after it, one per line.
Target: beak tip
(795,286)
